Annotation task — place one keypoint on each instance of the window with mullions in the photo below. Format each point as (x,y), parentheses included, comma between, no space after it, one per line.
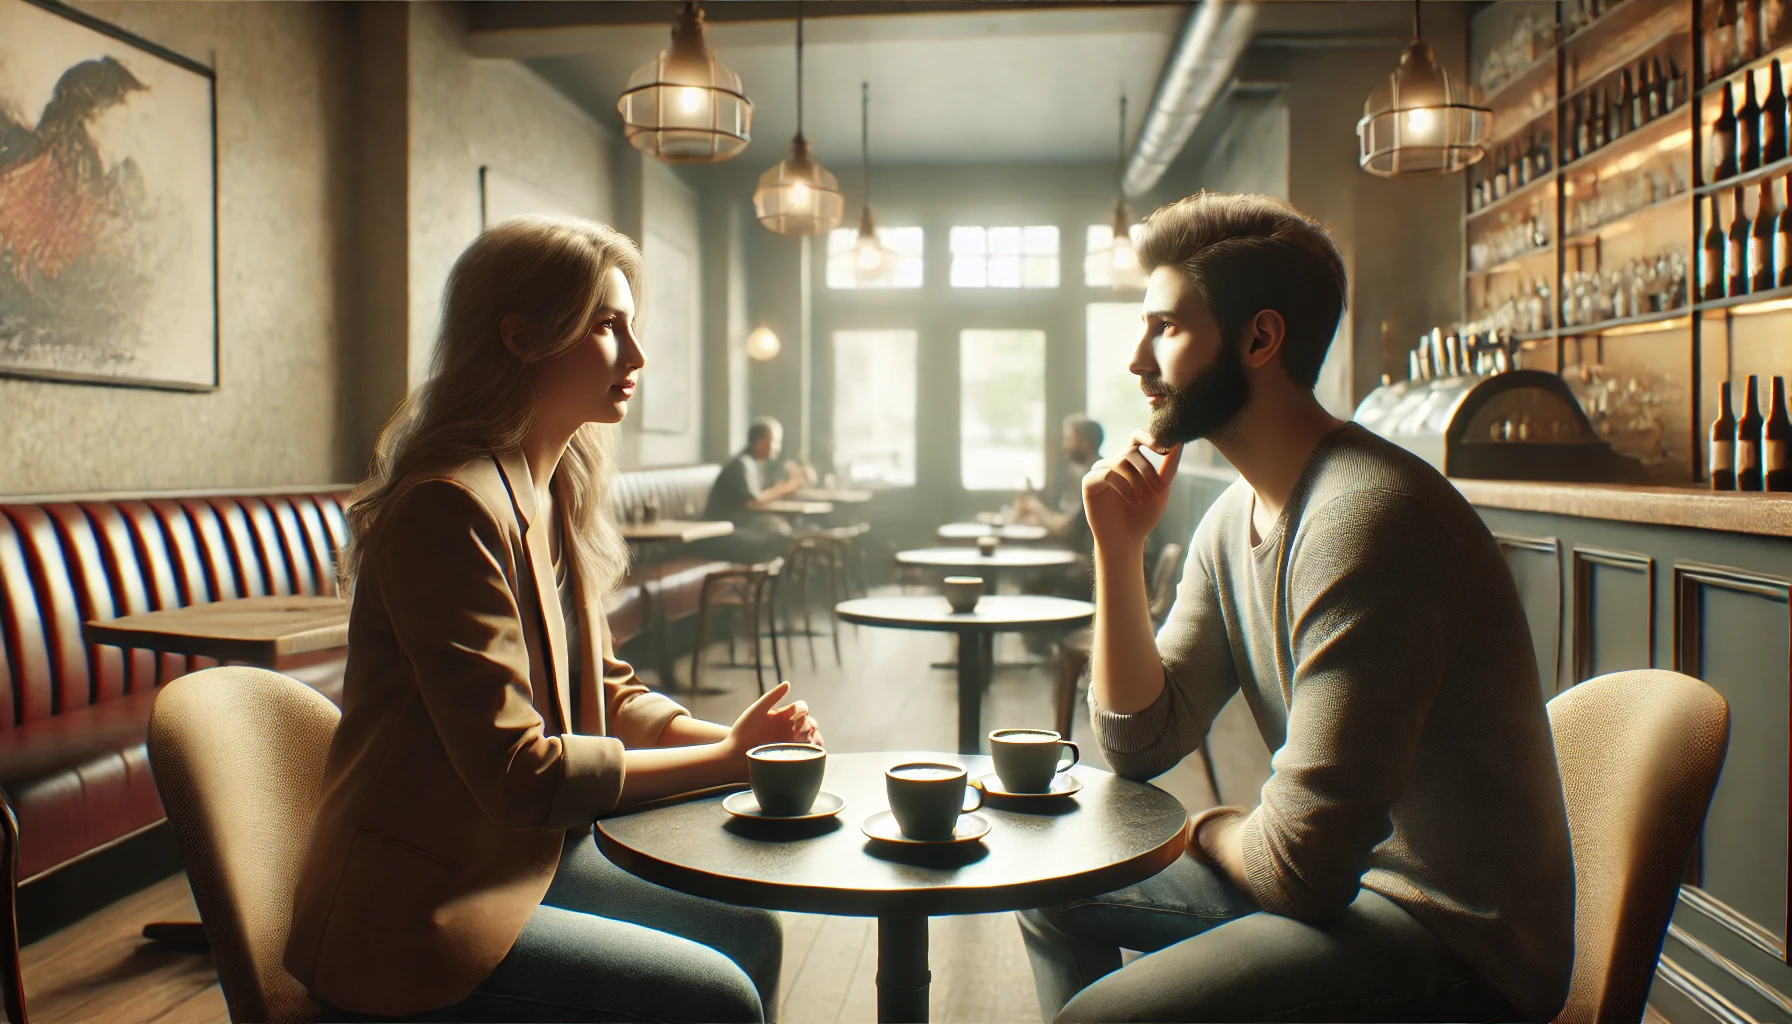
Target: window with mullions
(1005,257)
(874,407)
(903,244)
(1001,420)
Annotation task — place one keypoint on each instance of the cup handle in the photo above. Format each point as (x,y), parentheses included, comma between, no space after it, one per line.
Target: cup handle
(973,799)
(1075,756)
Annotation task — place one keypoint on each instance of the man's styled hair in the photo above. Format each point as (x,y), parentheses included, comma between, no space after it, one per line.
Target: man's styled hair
(762,427)
(1086,429)
(1247,253)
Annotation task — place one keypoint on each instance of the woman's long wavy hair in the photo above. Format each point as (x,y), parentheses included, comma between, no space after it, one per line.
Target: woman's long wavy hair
(478,400)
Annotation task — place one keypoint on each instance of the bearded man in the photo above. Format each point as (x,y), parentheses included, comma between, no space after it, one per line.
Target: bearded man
(1409,858)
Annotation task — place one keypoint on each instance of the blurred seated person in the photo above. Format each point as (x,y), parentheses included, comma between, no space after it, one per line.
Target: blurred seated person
(738,497)
(1060,508)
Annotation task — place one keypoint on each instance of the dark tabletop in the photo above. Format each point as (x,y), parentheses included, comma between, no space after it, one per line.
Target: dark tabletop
(1000,558)
(994,613)
(1038,852)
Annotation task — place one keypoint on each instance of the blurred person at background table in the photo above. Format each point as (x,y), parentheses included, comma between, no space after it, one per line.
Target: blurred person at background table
(451,873)
(737,497)
(1363,610)
(1060,508)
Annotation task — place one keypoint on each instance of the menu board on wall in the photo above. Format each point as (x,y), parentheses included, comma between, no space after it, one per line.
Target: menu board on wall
(668,331)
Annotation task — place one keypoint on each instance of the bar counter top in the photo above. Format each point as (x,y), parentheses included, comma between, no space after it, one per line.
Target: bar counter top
(1767,514)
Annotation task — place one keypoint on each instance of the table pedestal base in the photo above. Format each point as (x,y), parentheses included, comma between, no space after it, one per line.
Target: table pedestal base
(973,678)
(903,979)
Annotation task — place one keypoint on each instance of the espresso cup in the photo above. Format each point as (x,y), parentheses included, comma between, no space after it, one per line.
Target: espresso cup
(1027,759)
(786,777)
(988,545)
(962,592)
(928,796)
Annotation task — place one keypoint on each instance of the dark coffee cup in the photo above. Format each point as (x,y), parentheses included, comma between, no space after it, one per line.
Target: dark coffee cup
(963,593)
(786,777)
(928,796)
(988,545)
(1027,759)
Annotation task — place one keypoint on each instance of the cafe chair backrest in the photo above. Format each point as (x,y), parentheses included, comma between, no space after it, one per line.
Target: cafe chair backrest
(1163,581)
(1639,754)
(238,755)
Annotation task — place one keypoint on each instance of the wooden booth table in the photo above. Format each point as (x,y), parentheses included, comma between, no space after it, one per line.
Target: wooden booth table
(1112,834)
(995,613)
(255,630)
(682,531)
(1018,533)
(794,507)
(833,495)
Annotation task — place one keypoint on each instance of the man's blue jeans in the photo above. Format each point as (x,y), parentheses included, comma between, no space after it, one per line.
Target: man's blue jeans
(1213,955)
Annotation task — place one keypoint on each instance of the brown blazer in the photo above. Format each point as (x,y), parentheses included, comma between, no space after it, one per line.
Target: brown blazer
(453,776)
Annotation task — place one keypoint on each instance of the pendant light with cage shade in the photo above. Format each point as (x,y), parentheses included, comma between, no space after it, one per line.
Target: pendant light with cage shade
(1124,273)
(871,262)
(1422,121)
(798,196)
(684,106)
(763,343)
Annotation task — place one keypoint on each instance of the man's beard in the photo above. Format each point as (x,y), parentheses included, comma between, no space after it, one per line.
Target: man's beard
(1204,406)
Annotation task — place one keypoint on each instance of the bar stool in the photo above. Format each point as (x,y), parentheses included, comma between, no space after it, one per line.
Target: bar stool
(750,588)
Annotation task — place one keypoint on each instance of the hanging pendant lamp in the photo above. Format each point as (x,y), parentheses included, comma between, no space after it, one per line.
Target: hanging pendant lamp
(1124,273)
(871,262)
(763,343)
(798,196)
(684,107)
(1422,121)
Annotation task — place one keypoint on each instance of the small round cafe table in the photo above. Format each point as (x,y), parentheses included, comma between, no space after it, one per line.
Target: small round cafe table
(1112,834)
(995,613)
(1020,533)
(972,561)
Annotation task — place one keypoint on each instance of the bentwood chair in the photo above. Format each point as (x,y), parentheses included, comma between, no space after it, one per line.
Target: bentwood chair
(238,757)
(1639,754)
(751,588)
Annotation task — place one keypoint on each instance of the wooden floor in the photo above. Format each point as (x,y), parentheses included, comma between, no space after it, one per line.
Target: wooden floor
(886,696)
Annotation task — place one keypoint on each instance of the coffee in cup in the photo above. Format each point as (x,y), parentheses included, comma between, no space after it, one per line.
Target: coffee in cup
(1027,759)
(927,797)
(988,545)
(786,777)
(963,592)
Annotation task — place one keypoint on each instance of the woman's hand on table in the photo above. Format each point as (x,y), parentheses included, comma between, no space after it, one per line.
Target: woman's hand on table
(762,722)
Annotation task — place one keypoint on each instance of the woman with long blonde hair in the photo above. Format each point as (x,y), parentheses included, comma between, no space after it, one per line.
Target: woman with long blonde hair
(486,722)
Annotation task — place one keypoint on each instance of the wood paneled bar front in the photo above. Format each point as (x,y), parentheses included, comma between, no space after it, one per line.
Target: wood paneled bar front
(1616,577)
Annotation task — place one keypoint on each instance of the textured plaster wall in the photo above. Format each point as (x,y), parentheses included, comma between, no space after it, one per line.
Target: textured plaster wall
(286,301)
(467,112)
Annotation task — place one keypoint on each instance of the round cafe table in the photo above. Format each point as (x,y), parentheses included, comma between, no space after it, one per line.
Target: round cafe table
(995,613)
(1020,533)
(1038,853)
(970,560)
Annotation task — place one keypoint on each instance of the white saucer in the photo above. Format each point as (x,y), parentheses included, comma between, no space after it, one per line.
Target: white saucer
(882,827)
(1063,784)
(745,805)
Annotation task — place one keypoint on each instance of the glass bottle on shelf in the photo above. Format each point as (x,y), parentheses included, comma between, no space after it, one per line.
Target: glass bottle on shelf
(1583,126)
(1723,140)
(1748,127)
(1782,238)
(1720,42)
(1614,113)
(1776,473)
(1723,442)
(1748,439)
(1761,241)
(1712,273)
(1626,119)
(1736,263)
(1773,118)
(1596,111)
(1746,47)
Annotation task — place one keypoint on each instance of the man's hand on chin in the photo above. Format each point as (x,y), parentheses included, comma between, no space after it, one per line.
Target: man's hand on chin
(1213,839)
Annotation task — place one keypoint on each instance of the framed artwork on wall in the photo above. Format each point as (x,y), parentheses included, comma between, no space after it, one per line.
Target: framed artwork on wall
(108,205)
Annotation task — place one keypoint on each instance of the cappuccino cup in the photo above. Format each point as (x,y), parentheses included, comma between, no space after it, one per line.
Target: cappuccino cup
(786,777)
(962,592)
(988,545)
(1028,759)
(928,796)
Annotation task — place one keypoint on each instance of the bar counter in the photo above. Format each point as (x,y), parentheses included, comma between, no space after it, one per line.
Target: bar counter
(1728,511)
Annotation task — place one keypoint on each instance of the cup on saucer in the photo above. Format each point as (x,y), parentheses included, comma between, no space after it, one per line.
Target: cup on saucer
(1027,760)
(786,777)
(927,797)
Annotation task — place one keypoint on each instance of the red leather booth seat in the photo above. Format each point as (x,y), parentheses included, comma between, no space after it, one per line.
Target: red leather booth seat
(73,716)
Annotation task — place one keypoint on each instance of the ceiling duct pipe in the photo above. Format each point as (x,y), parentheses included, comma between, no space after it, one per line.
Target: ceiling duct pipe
(1213,38)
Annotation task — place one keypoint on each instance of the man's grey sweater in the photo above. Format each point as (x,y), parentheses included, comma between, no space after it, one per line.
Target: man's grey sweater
(1377,636)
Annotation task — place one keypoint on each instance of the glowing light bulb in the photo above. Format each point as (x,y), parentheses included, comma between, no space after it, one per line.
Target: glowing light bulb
(762,344)
(1420,120)
(690,99)
(868,255)
(799,194)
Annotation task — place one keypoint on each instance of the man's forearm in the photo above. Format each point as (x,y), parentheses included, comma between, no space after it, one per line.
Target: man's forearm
(1125,673)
